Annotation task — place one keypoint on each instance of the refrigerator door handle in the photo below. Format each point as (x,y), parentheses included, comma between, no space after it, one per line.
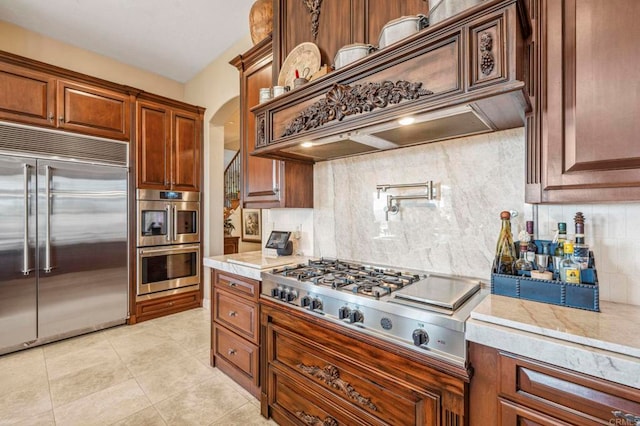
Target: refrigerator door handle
(169,222)
(26,270)
(47,246)
(175,223)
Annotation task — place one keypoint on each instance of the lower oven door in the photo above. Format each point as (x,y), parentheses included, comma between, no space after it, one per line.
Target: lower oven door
(168,267)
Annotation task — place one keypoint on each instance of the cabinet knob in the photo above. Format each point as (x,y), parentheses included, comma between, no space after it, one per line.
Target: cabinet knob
(276,189)
(61,119)
(233,284)
(231,352)
(51,117)
(233,314)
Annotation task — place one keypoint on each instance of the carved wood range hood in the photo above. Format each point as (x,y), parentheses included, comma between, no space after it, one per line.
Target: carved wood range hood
(463,76)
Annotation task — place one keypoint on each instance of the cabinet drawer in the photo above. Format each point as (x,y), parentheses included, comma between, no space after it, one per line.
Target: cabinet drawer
(564,394)
(237,351)
(154,308)
(237,314)
(236,284)
(364,389)
(291,400)
(513,414)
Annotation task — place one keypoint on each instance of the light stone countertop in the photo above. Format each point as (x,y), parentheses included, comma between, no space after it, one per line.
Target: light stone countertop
(250,264)
(604,344)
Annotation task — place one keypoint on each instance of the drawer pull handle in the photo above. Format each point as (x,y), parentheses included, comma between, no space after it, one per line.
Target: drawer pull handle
(231,352)
(233,314)
(331,376)
(310,420)
(630,418)
(232,284)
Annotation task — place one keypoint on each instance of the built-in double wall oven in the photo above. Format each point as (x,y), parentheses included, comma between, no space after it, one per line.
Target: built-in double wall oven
(168,240)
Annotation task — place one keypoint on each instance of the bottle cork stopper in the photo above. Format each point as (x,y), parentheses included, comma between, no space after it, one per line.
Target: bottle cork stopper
(505,215)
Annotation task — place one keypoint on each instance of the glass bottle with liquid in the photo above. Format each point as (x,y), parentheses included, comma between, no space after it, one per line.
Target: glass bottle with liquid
(580,249)
(504,262)
(532,248)
(523,263)
(569,269)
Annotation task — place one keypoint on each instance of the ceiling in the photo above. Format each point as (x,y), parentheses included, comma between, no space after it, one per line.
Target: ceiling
(172,38)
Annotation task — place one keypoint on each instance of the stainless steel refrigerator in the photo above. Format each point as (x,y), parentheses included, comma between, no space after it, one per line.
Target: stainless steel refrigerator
(63,235)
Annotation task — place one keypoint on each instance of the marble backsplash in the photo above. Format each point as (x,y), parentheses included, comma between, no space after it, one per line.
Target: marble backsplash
(476,178)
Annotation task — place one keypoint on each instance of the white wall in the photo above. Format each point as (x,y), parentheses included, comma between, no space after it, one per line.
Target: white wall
(212,88)
(26,43)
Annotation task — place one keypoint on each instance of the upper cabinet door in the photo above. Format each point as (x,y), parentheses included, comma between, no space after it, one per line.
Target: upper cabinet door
(26,96)
(585,148)
(185,170)
(93,110)
(154,145)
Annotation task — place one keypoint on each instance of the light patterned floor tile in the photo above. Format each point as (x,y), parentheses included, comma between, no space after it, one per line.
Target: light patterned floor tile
(104,407)
(79,359)
(44,419)
(247,415)
(53,350)
(22,369)
(24,403)
(167,380)
(202,404)
(80,383)
(162,354)
(147,417)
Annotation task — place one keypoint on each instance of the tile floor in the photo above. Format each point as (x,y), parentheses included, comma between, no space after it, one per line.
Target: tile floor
(153,373)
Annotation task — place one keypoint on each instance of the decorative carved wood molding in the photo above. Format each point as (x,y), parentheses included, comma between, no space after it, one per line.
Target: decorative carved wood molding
(314,9)
(344,100)
(310,420)
(487,60)
(331,376)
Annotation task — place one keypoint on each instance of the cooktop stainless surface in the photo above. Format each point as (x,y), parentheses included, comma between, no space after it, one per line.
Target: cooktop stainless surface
(416,309)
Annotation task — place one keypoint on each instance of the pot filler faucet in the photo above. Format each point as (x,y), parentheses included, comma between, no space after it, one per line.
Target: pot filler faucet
(393,206)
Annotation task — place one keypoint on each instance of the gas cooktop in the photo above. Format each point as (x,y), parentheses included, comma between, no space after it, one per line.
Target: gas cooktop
(421,310)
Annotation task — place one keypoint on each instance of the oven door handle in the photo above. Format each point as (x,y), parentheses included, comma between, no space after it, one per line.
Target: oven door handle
(169,222)
(182,249)
(175,223)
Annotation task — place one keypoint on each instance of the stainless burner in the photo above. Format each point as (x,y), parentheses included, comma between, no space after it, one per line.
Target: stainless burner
(423,311)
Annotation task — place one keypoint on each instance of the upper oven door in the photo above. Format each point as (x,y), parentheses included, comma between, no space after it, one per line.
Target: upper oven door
(154,223)
(185,226)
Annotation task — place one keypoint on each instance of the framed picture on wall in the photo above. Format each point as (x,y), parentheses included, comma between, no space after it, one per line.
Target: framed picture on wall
(251,225)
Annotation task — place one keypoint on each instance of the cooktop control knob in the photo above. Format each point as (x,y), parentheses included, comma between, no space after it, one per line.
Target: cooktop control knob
(291,295)
(305,301)
(275,292)
(356,316)
(316,304)
(420,337)
(344,312)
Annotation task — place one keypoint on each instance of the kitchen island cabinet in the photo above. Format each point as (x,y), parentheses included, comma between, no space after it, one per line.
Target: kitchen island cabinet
(266,183)
(582,140)
(43,95)
(235,332)
(541,364)
(317,372)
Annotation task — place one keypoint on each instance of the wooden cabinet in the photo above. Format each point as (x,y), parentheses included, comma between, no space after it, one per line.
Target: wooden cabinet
(30,96)
(266,183)
(231,245)
(582,142)
(93,110)
(507,389)
(168,146)
(26,96)
(235,337)
(339,23)
(158,307)
(315,371)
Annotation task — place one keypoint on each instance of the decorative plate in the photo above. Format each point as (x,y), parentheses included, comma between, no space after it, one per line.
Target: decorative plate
(304,56)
